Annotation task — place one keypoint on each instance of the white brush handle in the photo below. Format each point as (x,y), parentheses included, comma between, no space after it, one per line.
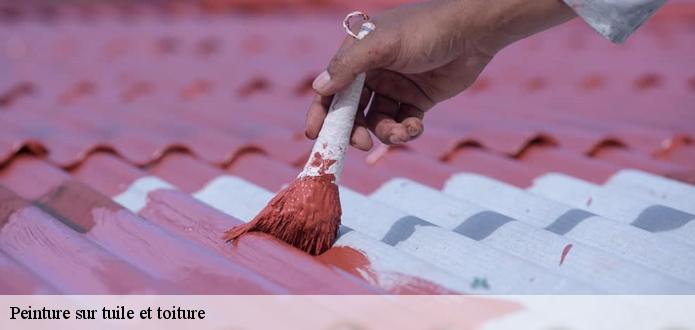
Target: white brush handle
(334,138)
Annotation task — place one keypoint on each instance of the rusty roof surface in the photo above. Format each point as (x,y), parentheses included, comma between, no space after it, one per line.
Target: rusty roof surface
(132,136)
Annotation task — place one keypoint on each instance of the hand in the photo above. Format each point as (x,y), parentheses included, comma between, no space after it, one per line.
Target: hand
(420,55)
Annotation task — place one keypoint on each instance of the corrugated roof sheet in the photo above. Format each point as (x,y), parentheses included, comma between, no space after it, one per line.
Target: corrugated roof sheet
(133,136)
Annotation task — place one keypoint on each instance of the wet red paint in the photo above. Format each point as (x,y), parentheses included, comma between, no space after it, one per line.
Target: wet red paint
(16,279)
(356,262)
(294,270)
(115,229)
(565,251)
(198,222)
(305,215)
(71,264)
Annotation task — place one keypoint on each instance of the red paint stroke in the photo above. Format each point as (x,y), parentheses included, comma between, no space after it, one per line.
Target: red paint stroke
(565,251)
(356,263)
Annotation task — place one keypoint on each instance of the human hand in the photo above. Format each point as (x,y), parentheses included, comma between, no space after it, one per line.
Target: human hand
(420,55)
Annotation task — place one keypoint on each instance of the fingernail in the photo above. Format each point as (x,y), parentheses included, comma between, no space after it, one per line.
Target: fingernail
(413,131)
(321,81)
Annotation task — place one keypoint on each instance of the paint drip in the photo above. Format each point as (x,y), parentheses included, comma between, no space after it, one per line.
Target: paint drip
(305,215)
(565,251)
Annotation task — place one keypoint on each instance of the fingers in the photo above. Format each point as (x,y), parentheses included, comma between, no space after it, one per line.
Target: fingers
(381,119)
(353,58)
(316,115)
(411,118)
(360,137)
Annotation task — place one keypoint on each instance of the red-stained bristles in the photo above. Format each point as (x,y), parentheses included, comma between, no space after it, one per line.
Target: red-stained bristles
(306,215)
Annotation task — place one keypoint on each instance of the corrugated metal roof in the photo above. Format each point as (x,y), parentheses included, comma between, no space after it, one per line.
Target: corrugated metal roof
(131,140)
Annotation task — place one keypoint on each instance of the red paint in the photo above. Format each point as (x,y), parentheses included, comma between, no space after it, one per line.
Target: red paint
(69,263)
(30,177)
(356,262)
(553,159)
(167,257)
(197,222)
(274,260)
(565,251)
(477,160)
(322,164)
(305,215)
(628,159)
(16,279)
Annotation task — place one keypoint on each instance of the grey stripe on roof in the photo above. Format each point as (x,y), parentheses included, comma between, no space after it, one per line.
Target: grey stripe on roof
(342,230)
(659,218)
(402,229)
(481,225)
(567,221)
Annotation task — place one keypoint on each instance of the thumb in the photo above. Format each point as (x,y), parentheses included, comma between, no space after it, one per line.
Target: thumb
(353,58)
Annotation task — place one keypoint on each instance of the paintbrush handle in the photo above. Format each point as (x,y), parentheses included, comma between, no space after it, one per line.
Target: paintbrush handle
(328,154)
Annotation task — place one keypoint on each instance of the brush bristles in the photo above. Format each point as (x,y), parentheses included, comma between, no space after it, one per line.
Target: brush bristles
(306,215)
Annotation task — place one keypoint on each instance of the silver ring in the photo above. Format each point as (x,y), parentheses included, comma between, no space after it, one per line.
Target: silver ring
(346,22)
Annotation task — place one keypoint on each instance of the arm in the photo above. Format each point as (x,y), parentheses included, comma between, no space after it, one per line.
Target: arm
(615,19)
(422,54)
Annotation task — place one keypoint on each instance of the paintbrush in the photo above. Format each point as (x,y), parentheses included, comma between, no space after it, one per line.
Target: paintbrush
(306,214)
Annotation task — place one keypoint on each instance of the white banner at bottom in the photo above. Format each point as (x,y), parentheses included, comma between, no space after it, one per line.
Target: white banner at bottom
(346,312)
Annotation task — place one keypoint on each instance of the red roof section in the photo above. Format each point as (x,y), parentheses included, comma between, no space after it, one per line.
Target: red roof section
(94,98)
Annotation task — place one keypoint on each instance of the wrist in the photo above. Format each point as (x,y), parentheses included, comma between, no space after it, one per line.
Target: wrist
(498,23)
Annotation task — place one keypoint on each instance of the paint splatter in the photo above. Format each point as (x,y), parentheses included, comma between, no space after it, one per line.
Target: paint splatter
(357,263)
(565,251)
(480,283)
(588,201)
(322,164)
